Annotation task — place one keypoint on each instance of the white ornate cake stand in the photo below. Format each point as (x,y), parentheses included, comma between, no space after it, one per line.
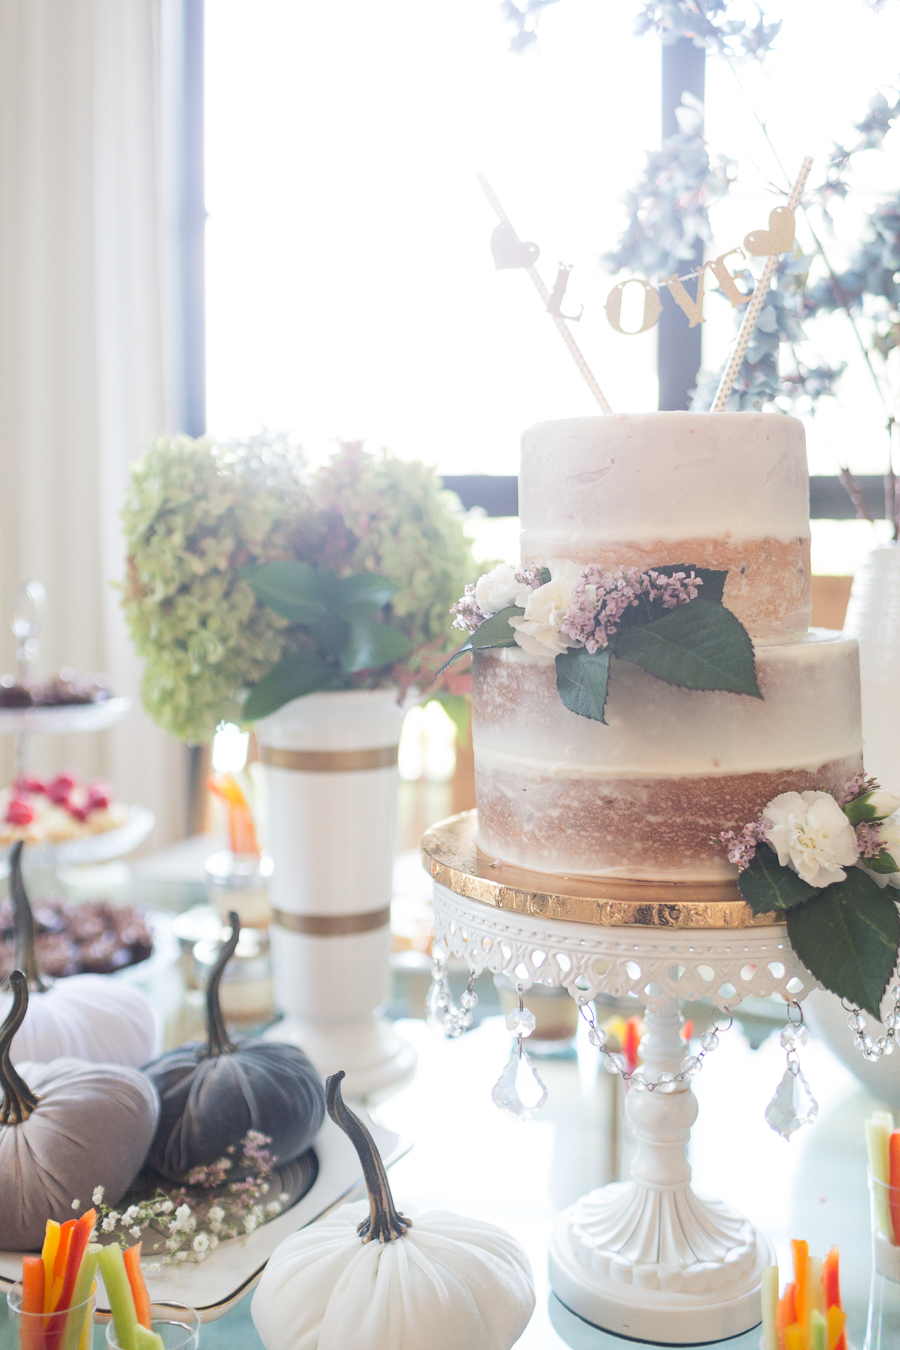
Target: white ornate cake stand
(645,1258)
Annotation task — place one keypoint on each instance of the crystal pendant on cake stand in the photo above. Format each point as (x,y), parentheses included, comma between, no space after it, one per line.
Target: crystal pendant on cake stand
(645,1258)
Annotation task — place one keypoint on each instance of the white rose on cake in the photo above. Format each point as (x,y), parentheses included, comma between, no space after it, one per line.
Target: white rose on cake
(500,588)
(537,631)
(811,834)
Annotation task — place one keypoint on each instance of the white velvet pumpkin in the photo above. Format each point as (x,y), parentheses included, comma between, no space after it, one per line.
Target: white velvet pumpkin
(93,1017)
(383,1282)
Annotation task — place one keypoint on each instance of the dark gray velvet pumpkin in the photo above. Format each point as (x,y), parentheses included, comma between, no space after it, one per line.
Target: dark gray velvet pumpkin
(211,1095)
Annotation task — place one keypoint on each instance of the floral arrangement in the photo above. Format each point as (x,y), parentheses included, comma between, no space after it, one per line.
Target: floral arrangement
(668,621)
(189,1226)
(379,543)
(826,860)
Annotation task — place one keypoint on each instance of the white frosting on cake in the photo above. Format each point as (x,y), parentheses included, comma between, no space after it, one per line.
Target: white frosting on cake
(809,715)
(644,477)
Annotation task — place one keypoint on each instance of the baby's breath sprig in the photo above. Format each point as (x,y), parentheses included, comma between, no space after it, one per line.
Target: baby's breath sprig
(178,1225)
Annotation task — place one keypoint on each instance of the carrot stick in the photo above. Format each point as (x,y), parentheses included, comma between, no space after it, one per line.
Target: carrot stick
(79,1318)
(79,1239)
(139,1292)
(48,1256)
(786,1314)
(894,1192)
(800,1251)
(32,1333)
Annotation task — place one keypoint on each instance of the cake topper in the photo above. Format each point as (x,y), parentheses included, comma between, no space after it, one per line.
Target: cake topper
(780,236)
(510,251)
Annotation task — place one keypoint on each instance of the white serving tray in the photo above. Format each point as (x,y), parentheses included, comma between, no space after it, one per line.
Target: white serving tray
(216,1284)
(64,718)
(90,848)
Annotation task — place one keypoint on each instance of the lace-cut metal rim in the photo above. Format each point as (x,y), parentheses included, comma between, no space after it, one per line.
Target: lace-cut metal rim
(450,854)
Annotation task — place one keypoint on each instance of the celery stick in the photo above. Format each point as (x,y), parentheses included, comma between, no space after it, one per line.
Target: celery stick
(878,1137)
(118,1291)
(769,1306)
(147,1340)
(87,1272)
(818,1325)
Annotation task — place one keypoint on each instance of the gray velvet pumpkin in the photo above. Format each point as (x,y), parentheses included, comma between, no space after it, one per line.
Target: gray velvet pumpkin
(212,1095)
(66,1127)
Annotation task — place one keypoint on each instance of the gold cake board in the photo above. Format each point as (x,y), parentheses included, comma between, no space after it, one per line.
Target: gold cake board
(450,854)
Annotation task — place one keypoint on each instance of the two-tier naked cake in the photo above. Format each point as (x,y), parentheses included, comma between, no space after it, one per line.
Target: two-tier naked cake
(646,794)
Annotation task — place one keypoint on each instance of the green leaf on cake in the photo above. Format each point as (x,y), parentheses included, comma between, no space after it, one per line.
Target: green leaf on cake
(582,680)
(371,645)
(695,646)
(294,676)
(847,937)
(494,632)
(766,886)
(882,863)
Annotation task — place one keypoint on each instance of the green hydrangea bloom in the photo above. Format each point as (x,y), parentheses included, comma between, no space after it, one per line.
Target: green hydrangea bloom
(196,512)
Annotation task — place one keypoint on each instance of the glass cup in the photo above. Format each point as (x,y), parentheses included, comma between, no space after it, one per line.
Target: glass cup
(176,1325)
(883,1321)
(29,1328)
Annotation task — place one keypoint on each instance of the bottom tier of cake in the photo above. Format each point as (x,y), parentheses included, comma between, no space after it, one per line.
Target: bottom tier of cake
(646,795)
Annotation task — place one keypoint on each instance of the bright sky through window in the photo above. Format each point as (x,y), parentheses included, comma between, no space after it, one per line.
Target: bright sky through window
(351,290)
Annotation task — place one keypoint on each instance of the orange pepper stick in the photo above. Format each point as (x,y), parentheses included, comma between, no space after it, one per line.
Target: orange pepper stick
(785,1314)
(139,1292)
(793,1338)
(32,1333)
(894,1175)
(836,1335)
(241,829)
(48,1256)
(687,1031)
(59,1263)
(79,1238)
(800,1252)
(631,1039)
(831,1285)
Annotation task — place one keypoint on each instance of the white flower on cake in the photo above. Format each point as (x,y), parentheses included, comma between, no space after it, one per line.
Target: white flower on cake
(500,588)
(811,834)
(537,631)
(882,804)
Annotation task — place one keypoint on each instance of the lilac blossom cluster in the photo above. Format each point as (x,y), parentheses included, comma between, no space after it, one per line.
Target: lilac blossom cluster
(855,787)
(469,615)
(742,846)
(603,597)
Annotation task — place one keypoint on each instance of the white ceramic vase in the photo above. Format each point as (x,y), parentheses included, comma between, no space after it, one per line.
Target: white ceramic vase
(873,618)
(331,765)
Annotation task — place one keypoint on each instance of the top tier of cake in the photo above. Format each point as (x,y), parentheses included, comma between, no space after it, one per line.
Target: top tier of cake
(727,491)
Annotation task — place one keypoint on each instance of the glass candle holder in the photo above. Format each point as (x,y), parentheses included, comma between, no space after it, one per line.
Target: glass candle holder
(176,1325)
(73,1328)
(883,1321)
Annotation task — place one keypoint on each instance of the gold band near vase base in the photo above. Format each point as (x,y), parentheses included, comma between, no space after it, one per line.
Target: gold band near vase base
(332,925)
(450,854)
(329,761)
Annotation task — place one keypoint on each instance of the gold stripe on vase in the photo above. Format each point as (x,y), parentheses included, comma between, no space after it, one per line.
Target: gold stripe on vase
(330,761)
(332,925)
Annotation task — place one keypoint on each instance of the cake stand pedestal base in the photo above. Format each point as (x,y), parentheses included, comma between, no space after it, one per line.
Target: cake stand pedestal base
(657,1316)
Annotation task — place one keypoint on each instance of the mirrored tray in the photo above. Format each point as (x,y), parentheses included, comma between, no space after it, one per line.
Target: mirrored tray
(64,718)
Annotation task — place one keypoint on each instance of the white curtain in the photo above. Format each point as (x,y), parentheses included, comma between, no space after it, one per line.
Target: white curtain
(89,355)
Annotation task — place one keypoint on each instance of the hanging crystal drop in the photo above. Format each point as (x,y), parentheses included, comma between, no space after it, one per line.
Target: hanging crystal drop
(793,1104)
(519,1092)
(438,1002)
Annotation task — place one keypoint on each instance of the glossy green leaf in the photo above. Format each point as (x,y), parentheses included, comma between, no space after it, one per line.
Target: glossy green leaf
(292,589)
(582,680)
(294,676)
(372,645)
(695,646)
(365,589)
(766,885)
(494,632)
(882,863)
(848,938)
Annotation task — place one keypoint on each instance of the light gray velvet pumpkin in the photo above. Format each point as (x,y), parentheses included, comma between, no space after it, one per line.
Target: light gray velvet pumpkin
(66,1127)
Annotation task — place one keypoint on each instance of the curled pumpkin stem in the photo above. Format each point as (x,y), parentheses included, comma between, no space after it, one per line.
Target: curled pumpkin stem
(18,1099)
(26,956)
(385,1222)
(218,1042)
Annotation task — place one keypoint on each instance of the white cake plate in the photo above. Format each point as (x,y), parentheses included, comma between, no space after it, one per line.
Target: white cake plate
(645,1258)
(90,848)
(63,719)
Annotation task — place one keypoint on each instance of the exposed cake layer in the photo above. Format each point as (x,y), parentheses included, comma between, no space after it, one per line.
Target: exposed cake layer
(727,491)
(641,795)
